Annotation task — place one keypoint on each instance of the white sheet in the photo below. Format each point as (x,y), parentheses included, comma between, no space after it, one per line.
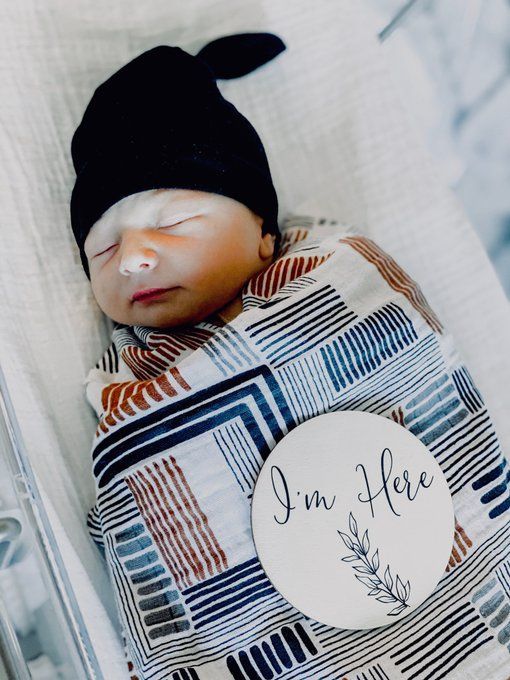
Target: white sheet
(338,140)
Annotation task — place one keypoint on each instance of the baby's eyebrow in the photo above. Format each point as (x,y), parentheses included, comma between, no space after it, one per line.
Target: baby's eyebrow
(185,200)
(183,206)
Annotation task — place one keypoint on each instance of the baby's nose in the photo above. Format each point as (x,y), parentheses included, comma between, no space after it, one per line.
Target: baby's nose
(136,256)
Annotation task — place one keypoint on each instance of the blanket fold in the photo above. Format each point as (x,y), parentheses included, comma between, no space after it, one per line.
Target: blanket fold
(187,418)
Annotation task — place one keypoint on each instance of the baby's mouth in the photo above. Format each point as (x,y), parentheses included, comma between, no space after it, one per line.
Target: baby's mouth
(148,294)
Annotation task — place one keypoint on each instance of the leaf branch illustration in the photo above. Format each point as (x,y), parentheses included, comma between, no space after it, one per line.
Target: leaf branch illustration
(385,589)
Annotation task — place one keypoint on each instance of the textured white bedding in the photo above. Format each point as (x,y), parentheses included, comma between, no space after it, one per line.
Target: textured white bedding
(339,142)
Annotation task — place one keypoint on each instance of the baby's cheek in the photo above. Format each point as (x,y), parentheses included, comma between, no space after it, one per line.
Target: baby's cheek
(203,264)
(106,294)
(207,280)
(98,289)
(214,269)
(104,288)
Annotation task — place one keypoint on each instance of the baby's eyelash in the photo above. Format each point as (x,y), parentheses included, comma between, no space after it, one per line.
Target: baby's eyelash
(163,226)
(106,250)
(174,224)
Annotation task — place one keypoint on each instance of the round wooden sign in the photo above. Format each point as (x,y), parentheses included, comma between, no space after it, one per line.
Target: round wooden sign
(352,519)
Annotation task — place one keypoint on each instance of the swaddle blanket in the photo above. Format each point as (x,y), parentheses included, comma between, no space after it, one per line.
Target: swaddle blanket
(187,418)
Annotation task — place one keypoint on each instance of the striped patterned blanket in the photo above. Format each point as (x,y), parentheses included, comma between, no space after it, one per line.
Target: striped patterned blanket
(187,418)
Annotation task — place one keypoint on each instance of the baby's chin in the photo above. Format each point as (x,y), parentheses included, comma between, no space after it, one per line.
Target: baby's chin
(162,314)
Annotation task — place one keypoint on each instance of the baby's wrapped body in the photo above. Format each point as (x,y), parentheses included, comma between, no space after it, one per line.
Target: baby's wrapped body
(187,417)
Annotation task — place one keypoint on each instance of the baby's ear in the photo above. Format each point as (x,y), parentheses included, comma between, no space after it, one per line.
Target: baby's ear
(266,247)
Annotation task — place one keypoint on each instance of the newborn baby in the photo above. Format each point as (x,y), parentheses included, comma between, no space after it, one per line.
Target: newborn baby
(174,192)
(168,257)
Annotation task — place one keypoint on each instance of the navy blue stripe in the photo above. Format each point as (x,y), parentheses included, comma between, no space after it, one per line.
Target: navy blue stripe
(272,658)
(202,398)
(291,639)
(441,412)
(147,574)
(490,476)
(247,666)
(133,546)
(343,366)
(238,590)
(129,533)
(262,664)
(237,601)
(169,629)
(305,638)
(282,653)
(380,340)
(499,509)
(141,560)
(234,669)
(109,465)
(222,613)
(303,344)
(227,574)
(159,600)
(154,587)
(145,443)
(297,325)
(290,311)
(426,392)
(163,615)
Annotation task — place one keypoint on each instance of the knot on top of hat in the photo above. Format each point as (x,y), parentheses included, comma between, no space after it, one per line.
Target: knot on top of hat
(233,56)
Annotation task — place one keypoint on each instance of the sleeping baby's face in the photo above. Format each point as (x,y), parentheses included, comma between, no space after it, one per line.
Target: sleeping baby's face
(201,247)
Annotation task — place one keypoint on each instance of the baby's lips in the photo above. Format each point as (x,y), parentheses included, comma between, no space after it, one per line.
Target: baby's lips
(147,292)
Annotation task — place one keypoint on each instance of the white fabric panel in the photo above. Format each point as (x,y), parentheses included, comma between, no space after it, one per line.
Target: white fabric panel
(339,142)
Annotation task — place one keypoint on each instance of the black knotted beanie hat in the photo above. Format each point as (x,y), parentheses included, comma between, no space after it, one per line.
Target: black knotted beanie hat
(161,122)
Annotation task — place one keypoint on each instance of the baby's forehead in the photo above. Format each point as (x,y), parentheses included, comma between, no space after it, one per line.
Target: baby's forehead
(146,208)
